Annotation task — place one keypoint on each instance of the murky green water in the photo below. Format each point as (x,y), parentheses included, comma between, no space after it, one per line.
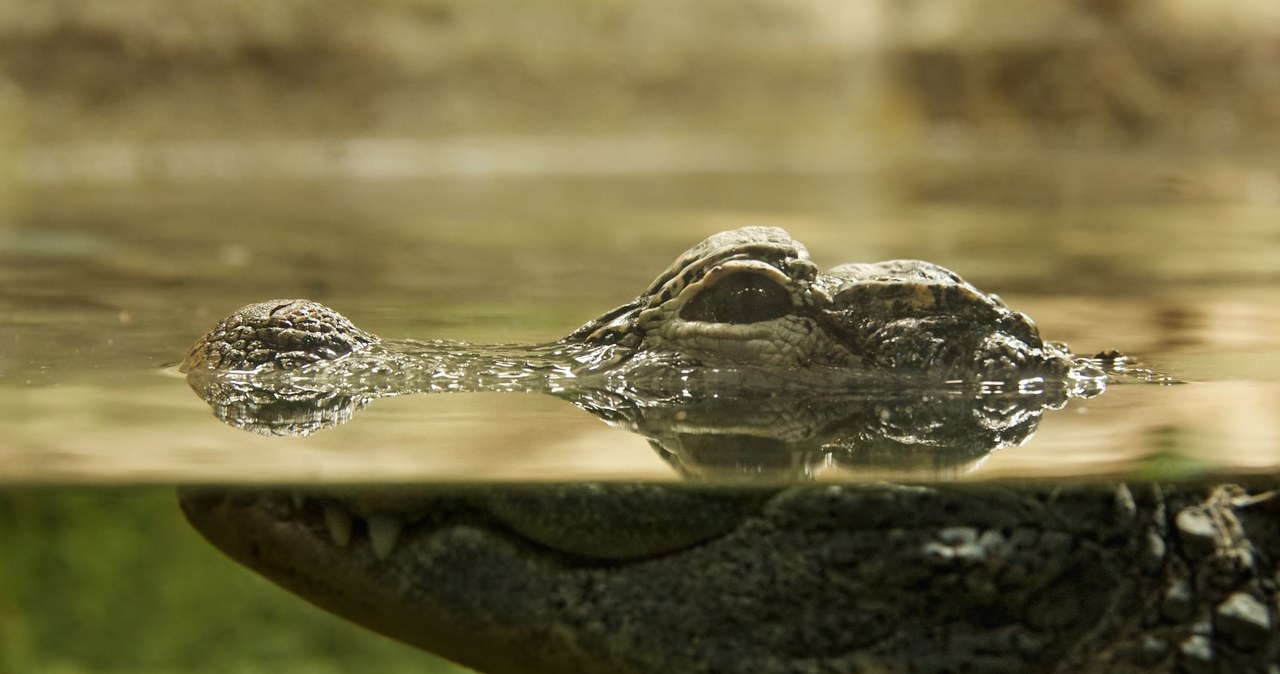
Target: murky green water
(104,285)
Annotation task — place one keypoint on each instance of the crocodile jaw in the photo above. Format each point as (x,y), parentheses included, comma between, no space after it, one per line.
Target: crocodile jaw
(295,549)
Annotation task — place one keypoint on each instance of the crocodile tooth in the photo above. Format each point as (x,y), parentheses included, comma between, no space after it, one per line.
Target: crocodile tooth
(384,530)
(338,522)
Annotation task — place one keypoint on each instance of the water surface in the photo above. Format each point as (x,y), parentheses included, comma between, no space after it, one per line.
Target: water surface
(106,284)
(107,278)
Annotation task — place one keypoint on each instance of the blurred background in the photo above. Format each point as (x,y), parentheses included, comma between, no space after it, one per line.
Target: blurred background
(502,171)
(1177,72)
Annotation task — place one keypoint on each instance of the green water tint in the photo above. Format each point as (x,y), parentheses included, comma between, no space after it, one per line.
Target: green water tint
(102,581)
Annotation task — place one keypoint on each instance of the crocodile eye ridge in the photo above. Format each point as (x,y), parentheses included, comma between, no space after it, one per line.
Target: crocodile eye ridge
(744,297)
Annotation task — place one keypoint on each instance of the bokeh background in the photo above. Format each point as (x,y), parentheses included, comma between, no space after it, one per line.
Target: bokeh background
(1064,71)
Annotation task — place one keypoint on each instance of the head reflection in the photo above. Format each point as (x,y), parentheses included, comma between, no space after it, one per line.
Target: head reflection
(719,435)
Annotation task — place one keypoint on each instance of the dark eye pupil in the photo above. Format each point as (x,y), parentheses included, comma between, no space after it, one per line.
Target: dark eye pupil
(741,298)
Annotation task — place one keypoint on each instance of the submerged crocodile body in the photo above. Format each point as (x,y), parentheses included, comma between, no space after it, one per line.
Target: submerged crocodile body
(647,579)
(743,362)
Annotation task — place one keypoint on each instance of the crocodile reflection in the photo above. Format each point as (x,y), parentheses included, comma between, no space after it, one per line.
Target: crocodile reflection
(710,434)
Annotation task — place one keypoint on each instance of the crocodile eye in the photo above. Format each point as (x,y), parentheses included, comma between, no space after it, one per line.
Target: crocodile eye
(740,298)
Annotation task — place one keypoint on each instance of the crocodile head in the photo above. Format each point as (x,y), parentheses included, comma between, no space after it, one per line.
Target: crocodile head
(748,298)
(753,297)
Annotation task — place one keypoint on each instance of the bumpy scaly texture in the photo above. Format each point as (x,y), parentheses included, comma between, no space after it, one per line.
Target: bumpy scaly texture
(1013,578)
(283,334)
(745,297)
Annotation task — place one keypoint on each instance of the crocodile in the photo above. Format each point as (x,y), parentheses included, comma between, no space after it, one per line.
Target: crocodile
(902,361)
(646,578)
(747,369)
(749,299)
